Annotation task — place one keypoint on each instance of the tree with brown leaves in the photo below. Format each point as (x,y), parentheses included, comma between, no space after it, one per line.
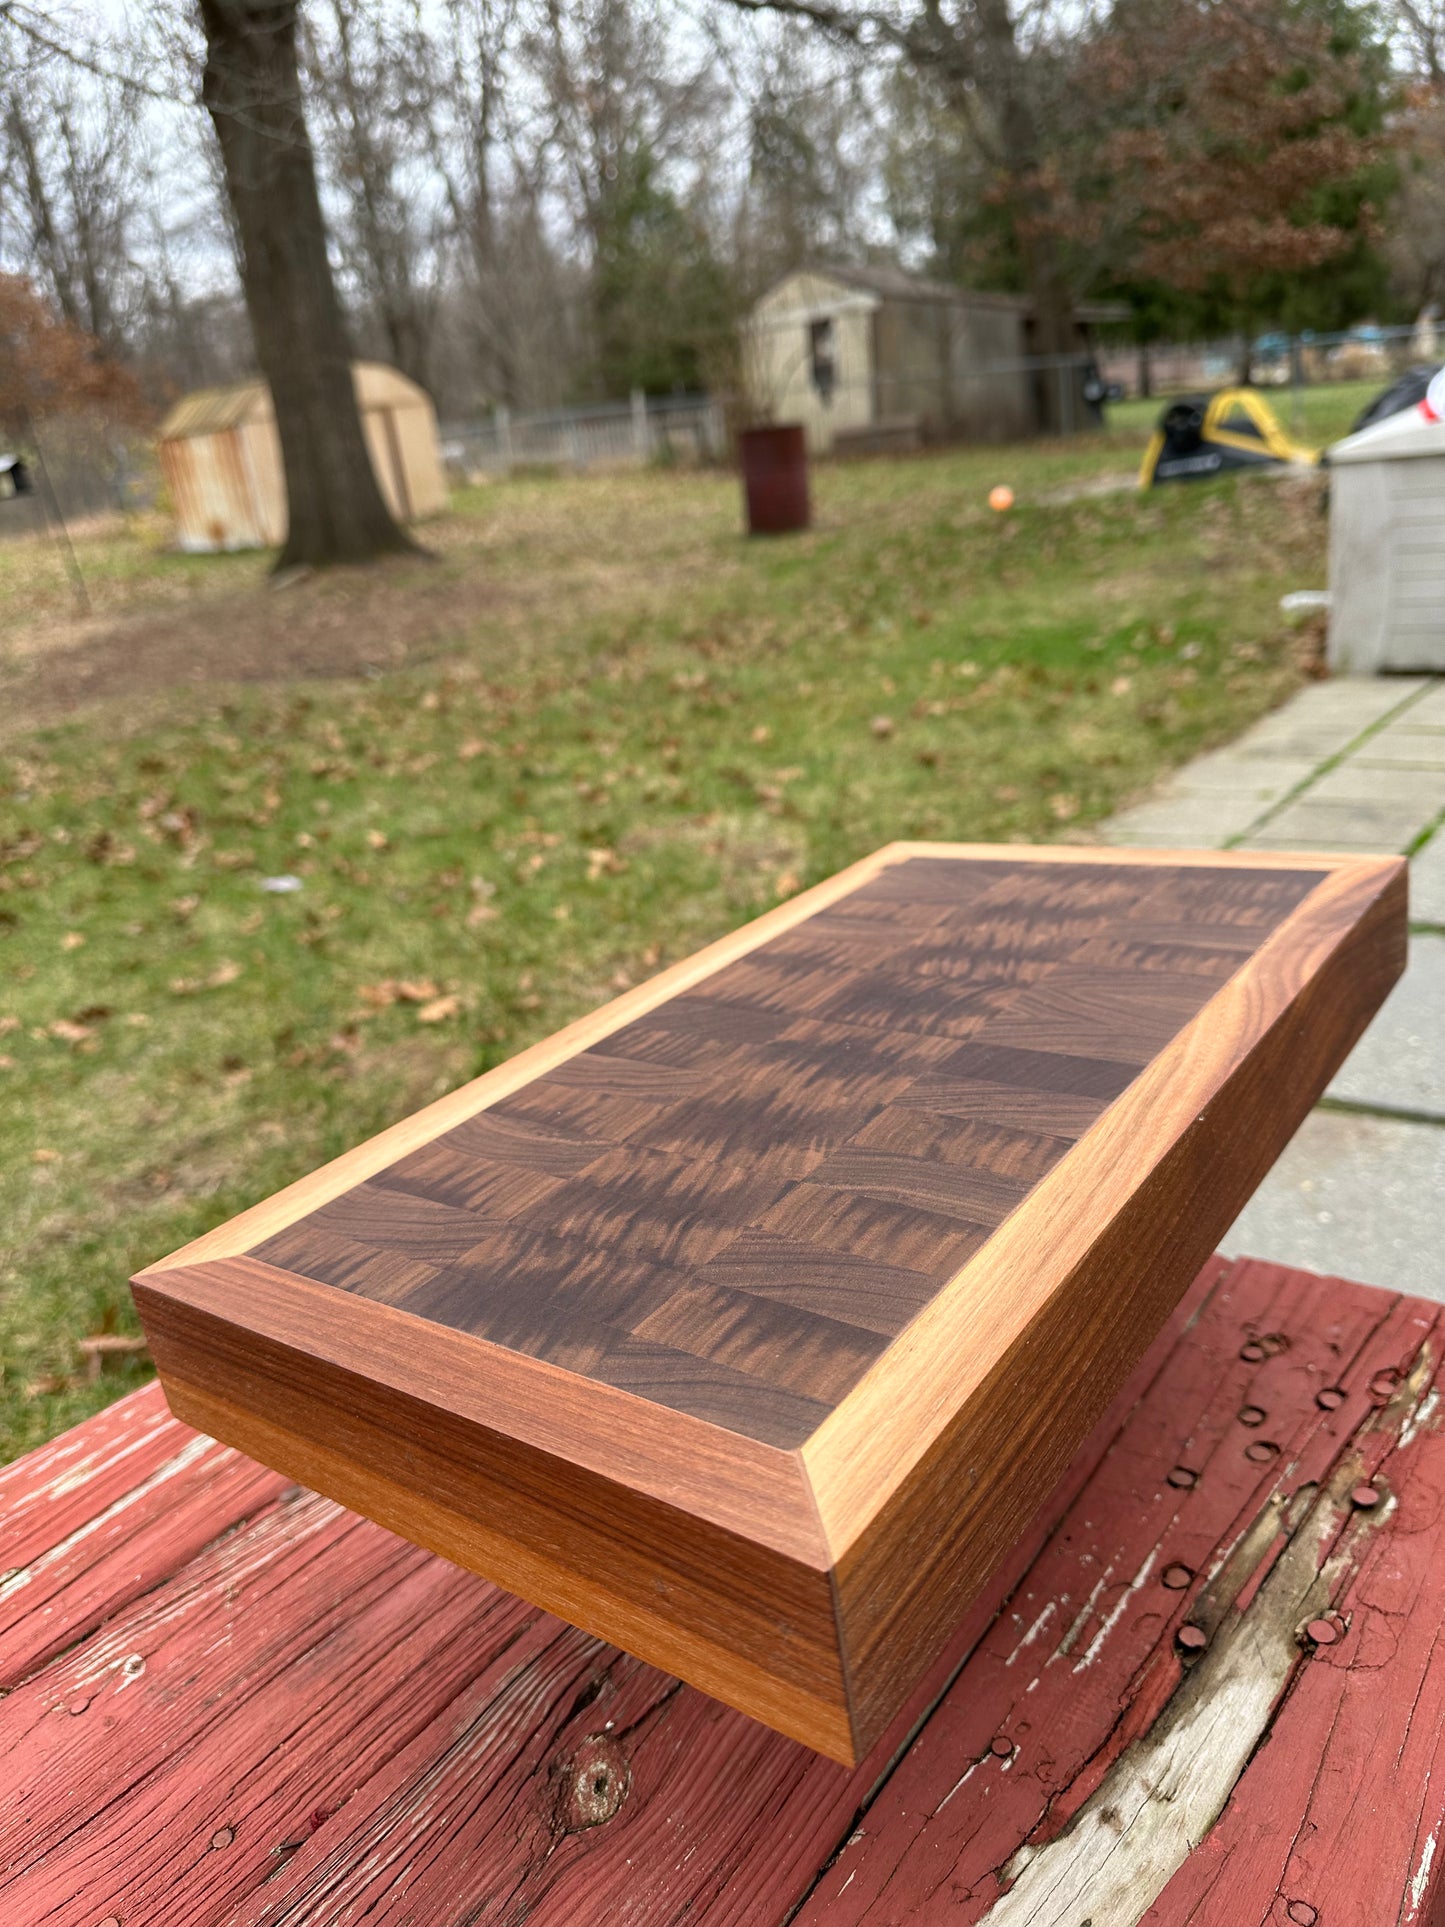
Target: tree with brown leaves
(1238,139)
(50,366)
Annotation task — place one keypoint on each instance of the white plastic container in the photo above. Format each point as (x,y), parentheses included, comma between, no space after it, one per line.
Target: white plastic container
(1387,543)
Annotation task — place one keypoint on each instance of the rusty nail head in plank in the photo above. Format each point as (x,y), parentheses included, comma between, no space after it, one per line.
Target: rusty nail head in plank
(1324,1632)
(1193,1639)
(1331,1398)
(1176,1577)
(1383,1384)
(1261,1450)
(111,1920)
(223,1836)
(1253,1352)
(1182,1478)
(1251,1415)
(1001,1746)
(77,1706)
(1365,1496)
(1301,1913)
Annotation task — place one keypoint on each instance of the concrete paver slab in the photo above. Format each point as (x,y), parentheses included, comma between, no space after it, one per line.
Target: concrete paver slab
(1399,1063)
(1355,781)
(1429,712)
(1400,745)
(1222,773)
(1358,1196)
(1185,822)
(1303,742)
(1427,882)
(1315,845)
(1382,826)
(1361,698)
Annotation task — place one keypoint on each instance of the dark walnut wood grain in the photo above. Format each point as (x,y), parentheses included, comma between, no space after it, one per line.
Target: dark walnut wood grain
(748,1321)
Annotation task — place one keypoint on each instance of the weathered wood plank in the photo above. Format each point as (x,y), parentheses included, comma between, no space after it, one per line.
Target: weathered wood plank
(347,1717)
(98,1518)
(307,1720)
(1081,1755)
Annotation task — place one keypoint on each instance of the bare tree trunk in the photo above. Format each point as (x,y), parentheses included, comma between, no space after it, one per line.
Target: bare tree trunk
(253,94)
(1004,83)
(46,239)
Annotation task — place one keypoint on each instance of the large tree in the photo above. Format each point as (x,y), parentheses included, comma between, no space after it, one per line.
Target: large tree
(252,91)
(1238,157)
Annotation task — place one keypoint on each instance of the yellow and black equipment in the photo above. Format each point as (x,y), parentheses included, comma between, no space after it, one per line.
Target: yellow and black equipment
(1203,435)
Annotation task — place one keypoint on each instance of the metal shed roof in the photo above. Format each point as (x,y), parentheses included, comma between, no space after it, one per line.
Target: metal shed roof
(211,411)
(897,284)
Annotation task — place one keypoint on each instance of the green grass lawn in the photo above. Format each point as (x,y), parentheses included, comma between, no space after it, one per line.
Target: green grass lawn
(1313,416)
(617,731)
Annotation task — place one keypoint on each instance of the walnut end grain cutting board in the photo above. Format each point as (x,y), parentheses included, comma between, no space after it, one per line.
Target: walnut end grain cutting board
(746,1321)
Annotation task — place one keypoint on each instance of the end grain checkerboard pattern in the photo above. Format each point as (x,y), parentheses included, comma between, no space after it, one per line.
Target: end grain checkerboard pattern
(733,1205)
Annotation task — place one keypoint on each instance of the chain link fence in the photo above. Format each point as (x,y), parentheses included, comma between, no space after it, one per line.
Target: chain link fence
(640,431)
(1274,359)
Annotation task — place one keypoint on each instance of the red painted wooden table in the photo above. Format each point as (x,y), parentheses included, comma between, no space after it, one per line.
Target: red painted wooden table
(1205,1688)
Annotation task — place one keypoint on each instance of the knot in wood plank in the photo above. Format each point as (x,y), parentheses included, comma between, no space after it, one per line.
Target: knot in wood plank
(591,1787)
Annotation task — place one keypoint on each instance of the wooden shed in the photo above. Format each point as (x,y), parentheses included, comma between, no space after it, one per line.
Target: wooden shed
(876,357)
(221,459)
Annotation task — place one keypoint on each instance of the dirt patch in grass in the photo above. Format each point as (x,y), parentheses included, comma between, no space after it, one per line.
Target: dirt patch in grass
(359,622)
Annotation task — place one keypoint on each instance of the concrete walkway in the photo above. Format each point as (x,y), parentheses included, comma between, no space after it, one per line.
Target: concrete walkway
(1353,764)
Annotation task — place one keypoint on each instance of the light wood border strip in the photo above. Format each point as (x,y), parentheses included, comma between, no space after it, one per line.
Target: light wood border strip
(820,1722)
(734,1482)
(694,1548)
(264,1219)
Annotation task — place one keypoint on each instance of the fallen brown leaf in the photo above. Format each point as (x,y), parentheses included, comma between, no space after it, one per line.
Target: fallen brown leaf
(439,1010)
(416,990)
(604,863)
(69,1032)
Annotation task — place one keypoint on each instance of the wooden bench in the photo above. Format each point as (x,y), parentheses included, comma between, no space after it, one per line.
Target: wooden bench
(749,1321)
(1205,1687)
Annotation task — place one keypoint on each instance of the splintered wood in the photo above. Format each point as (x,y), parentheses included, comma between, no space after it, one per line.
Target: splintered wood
(229,1703)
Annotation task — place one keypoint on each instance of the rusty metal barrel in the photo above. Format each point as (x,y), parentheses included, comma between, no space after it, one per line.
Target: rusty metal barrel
(774,463)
